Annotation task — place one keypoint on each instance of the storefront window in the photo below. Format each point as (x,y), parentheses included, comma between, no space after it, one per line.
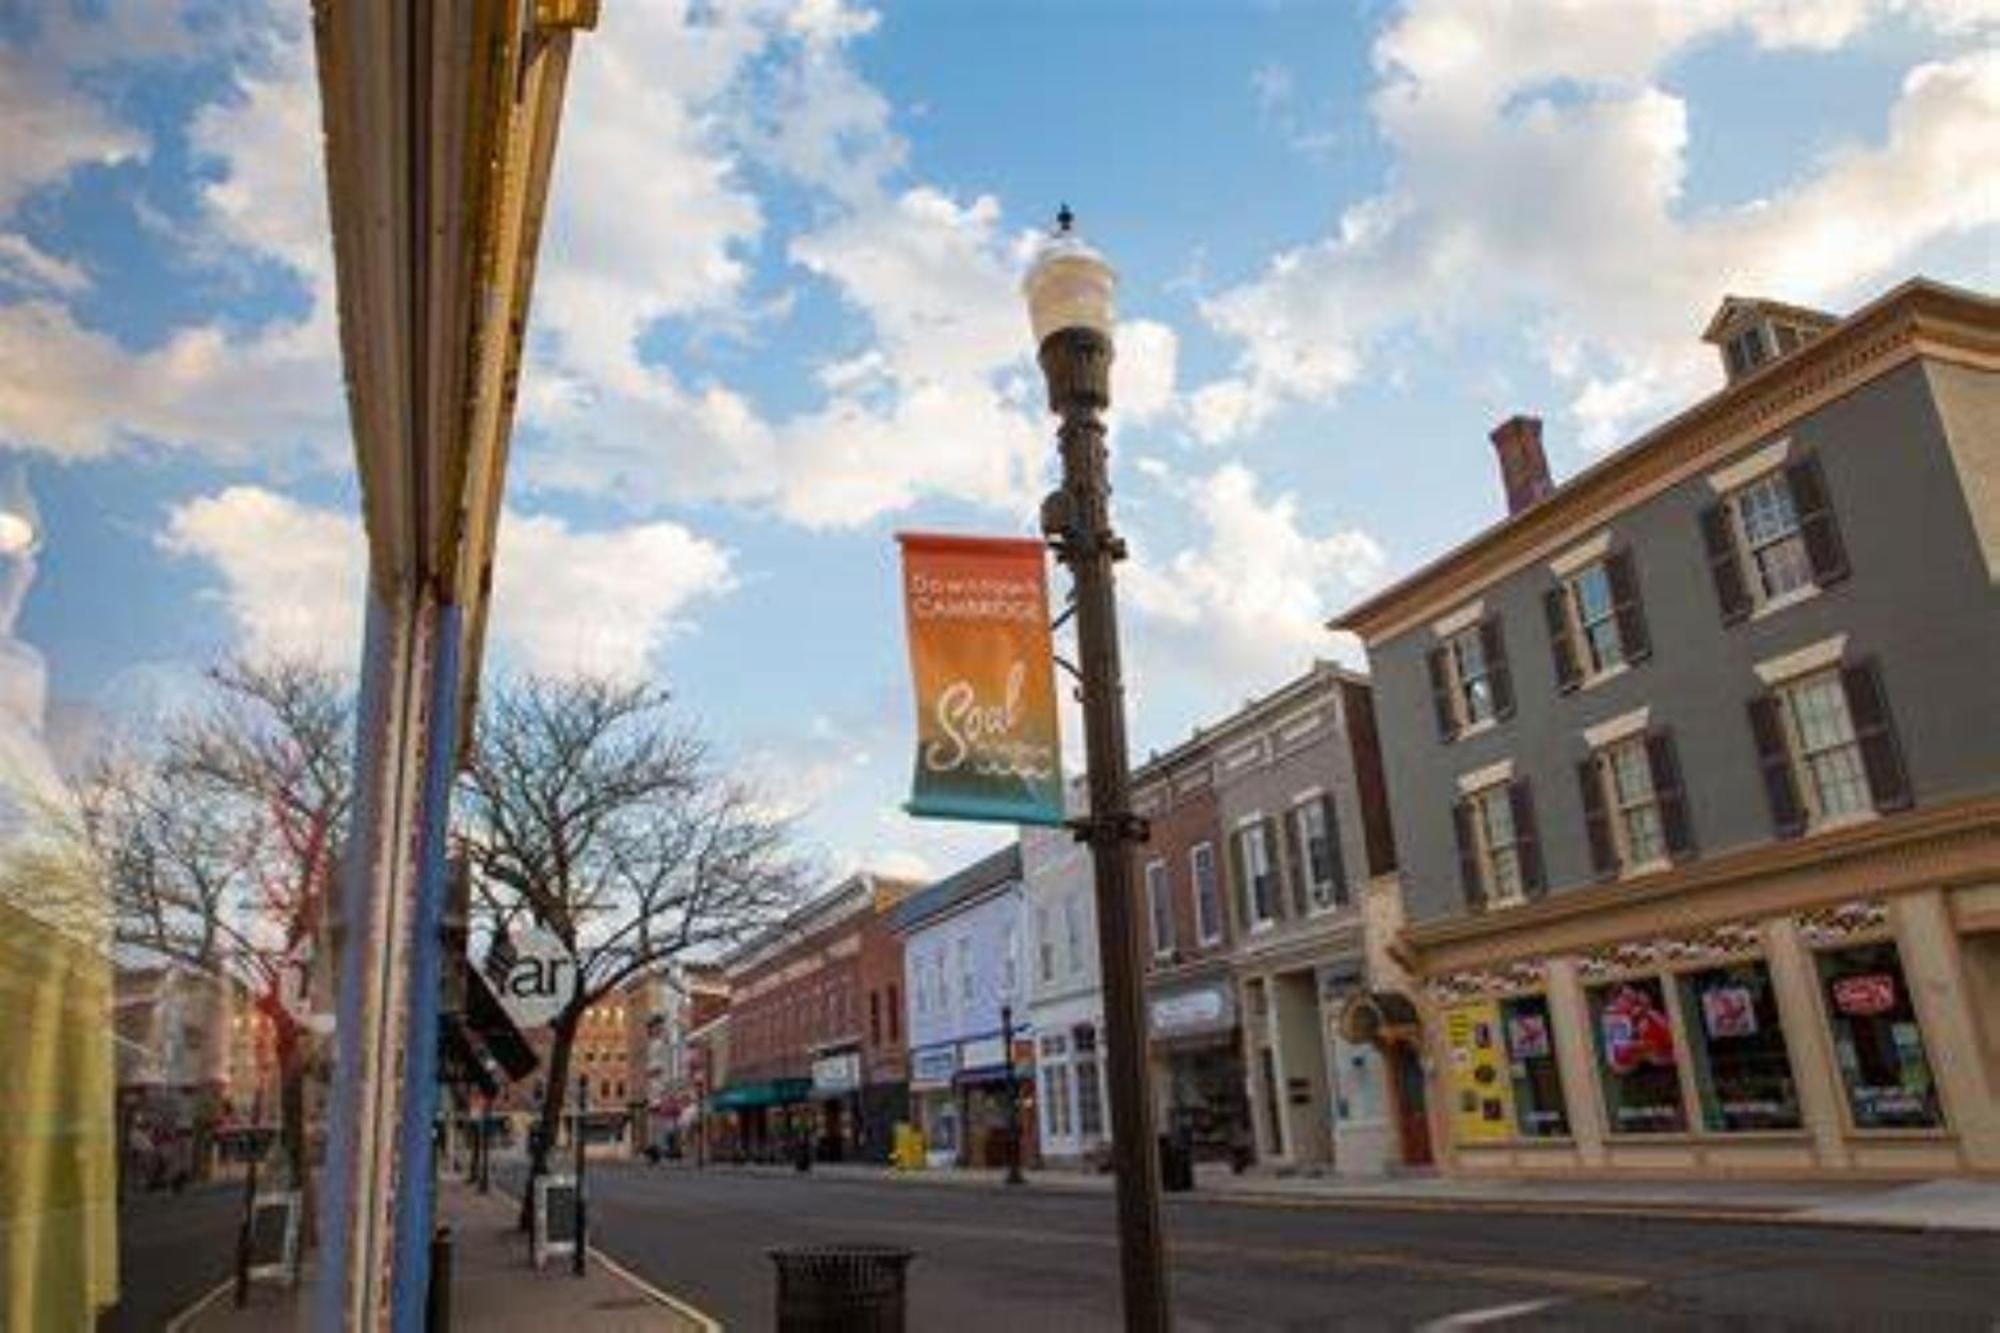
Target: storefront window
(1876,1040)
(1539,1109)
(1738,1049)
(1089,1105)
(1636,1058)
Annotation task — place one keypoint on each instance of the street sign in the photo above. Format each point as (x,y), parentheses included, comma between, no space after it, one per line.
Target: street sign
(540,980)
(554,1232)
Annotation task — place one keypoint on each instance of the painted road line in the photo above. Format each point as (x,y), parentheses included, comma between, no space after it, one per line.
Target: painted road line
(1573,1283)
(698,1318)
(1492,1314)
(183,1321)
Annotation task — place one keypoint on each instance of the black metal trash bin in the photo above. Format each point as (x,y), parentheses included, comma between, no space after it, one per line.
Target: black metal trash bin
(841,1288)
(1176,1164)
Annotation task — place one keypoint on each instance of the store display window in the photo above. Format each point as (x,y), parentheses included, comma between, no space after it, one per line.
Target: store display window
(1539,1108)
(1736,1047)
(1877,1041)
(1637,1058)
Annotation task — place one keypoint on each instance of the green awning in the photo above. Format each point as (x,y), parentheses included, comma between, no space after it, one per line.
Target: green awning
(772,1092)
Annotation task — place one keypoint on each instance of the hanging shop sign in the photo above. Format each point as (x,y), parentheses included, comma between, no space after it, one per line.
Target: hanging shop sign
(540,978)
(983,666)
(835,1074)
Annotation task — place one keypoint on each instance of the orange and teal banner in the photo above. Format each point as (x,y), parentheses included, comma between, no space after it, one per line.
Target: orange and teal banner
(978,615)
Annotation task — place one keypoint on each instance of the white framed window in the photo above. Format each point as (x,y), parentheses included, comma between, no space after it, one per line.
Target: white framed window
(1317,844)
(1255,857)
(1826,752)
(1045,944)
(1089,1094)
(1471,678)
(1207,893)
(1770,538)
(966,981)
(1010,963)
(1160,907)
(1497,844)
(1595,620)
(1633,804)
(1073,942)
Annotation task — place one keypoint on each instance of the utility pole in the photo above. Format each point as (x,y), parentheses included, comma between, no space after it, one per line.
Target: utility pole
(1014,1176)
(1069,293)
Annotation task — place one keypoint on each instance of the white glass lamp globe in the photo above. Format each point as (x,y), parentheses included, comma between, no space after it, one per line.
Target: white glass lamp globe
(1069,286)
(17,534)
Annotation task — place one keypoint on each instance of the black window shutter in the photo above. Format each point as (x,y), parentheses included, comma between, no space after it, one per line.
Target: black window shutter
(1788,813)
(1527,845)
(1670,794)
(1239,872)
(1497,675)
(1469,878)
(1868,709)
(1554,609)
(1596,819)
(1447,717)
(1631,617)
(1816,524)
(1339,863)
(1730,593)
(1285,863)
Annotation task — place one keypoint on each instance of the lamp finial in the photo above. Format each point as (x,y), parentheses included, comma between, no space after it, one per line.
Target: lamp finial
(1065,220)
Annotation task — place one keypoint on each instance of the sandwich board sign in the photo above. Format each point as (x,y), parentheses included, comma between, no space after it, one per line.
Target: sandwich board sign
(540,981)
(555,1217)
(274,1236)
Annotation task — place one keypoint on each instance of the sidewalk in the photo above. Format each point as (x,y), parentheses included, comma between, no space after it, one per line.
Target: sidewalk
(1930,1205)
(493,1286)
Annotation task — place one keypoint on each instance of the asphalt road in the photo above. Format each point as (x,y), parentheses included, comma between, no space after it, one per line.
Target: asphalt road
(1047,1261)
(172,1250)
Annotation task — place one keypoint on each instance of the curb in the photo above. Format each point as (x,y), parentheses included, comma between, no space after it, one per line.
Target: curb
(185,1319)
(700,1318)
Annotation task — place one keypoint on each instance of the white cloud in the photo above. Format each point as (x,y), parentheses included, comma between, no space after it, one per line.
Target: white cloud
(1510,202)
(28,266)
(292,576)
(1144,373)
(292,580)
(1249,601)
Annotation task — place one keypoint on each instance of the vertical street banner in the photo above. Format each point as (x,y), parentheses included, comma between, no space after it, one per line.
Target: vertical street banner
(983,667)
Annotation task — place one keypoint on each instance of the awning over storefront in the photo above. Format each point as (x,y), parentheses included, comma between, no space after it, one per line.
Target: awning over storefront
(771,1092)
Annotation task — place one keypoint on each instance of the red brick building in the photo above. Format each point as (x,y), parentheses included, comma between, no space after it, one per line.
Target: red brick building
(816,1028)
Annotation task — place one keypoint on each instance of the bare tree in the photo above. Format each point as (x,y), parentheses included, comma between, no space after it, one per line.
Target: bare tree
(588,810)
(220,848)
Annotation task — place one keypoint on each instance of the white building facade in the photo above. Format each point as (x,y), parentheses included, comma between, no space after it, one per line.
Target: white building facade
(1065,996)
(962,967)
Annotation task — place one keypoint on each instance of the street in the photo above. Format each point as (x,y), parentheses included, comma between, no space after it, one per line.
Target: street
(1047,1260)
(172,1250)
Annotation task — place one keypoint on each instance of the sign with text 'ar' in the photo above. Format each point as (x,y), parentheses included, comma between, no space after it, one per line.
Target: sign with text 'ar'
(540,978)
(981,659)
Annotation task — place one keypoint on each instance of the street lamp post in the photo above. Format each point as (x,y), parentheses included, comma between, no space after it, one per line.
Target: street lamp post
(1069,292)
(1014,1176)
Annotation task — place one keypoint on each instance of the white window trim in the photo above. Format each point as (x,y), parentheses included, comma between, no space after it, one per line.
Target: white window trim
(1479,779)
(1299,802)
(1607,788)
(1750,467)
(1258,925)
(1802,661)
(1152,909)
(1581,556)
(1817,820)
(1462,619)
(1803,593)
(1485,849)
(1206,938)
(1615,729)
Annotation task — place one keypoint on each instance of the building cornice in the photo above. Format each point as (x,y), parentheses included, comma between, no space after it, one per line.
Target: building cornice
(1940,846)
(1918,320)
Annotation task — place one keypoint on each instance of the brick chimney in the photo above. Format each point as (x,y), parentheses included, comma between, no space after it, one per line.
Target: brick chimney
(1524,469)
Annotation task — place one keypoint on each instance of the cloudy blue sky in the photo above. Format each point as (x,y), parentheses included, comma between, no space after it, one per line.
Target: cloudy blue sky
(777,318)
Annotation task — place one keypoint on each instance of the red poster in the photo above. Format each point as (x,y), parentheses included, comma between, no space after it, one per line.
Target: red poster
(1871,993)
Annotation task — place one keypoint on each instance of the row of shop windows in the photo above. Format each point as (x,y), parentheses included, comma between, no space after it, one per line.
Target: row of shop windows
(1507,1081)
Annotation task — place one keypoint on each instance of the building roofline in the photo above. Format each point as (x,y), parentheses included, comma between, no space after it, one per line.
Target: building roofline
(1726,309)
(829,908)
(966,887)
(1158,766)
(1944,317)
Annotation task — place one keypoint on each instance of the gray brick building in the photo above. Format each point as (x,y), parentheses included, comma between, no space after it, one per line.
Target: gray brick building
(1694,764)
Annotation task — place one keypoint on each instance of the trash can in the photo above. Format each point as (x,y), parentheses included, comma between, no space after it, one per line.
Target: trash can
(1176,1164)
(841,1288)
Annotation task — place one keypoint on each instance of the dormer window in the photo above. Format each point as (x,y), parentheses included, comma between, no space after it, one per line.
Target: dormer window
(1753,333)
